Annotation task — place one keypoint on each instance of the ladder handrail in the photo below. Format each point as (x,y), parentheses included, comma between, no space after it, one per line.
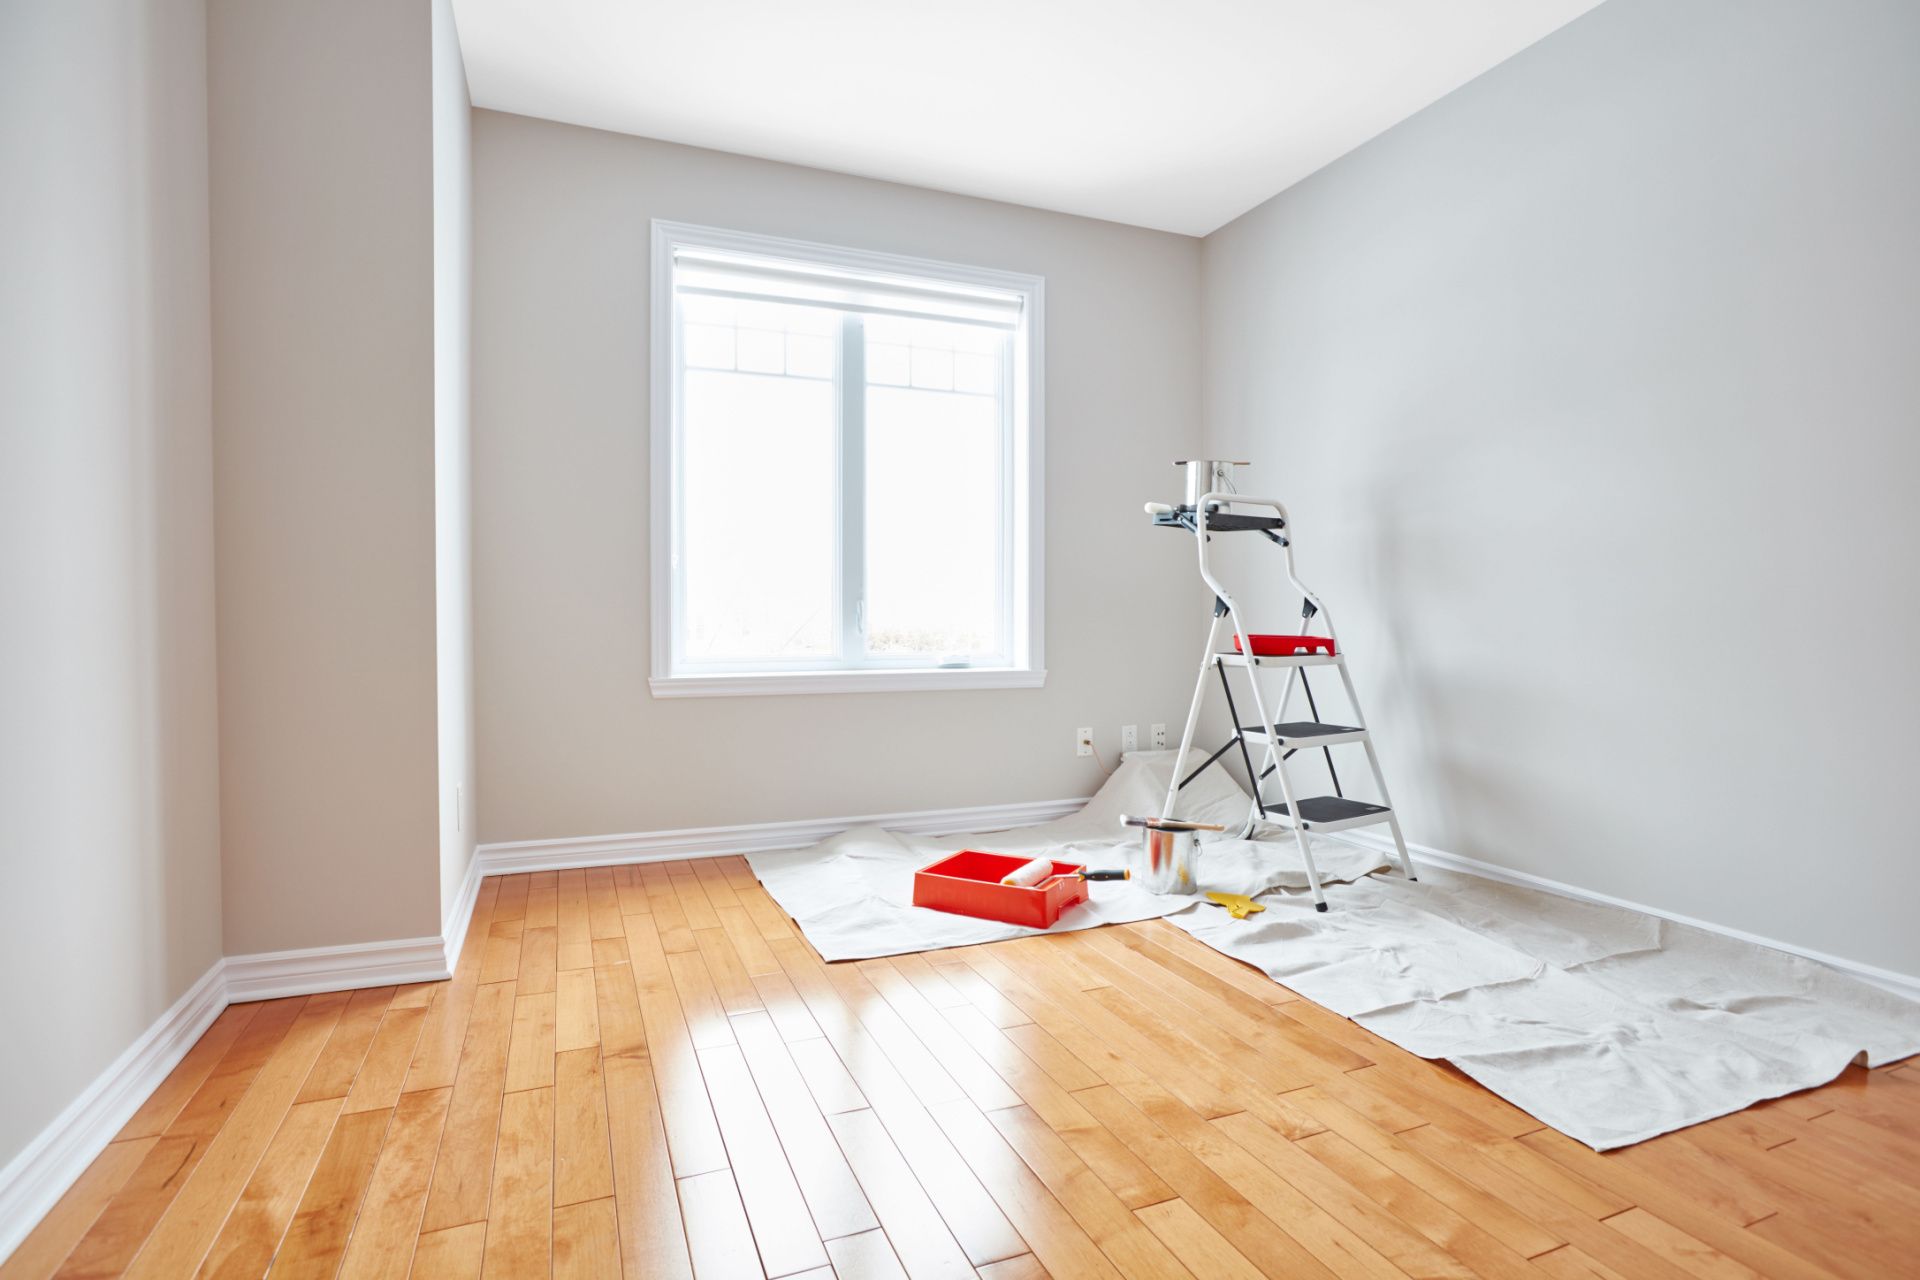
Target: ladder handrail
(1201,510)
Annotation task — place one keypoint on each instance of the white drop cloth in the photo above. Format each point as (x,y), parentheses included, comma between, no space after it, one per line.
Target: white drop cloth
(1609,1025)
(852,894)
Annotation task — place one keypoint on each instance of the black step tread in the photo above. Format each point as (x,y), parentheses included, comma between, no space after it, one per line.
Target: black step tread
(1303,729)
(1328,809)
(1219,521)
(1227,522)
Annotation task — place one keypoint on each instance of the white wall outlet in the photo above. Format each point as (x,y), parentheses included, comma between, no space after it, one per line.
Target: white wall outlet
(1159,733)
(1083,741)
(1129,737)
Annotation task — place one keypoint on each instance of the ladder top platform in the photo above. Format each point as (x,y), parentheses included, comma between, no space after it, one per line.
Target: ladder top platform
(1281,660)
(1217,521)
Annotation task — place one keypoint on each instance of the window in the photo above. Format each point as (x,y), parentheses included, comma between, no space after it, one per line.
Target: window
(846,467)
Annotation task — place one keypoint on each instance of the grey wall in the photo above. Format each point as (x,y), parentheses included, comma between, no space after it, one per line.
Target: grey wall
(321,137)
(109,805)
(1594,391)
(571,743)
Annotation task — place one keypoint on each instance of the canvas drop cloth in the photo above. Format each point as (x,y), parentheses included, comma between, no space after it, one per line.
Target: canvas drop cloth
(852,893)
(1607,1024)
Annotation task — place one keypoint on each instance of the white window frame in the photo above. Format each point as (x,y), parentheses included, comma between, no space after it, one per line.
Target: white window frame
(1025,595)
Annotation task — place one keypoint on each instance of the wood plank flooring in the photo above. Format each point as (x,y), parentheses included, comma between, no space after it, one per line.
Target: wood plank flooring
(647,1072)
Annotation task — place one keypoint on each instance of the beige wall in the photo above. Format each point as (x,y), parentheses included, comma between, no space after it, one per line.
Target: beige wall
(1593,388)
(570,741)
(109,812)
(321,128)
(453,449)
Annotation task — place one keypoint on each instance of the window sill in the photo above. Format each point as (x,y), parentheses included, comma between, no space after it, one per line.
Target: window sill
(885,680)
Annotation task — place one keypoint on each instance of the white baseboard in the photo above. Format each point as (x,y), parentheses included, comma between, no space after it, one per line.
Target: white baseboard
(35,1179)
(453,930)
(1901,984)
(715,842)
(269,975)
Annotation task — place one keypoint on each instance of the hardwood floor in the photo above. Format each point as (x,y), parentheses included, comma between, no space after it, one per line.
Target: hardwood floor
(645,1071)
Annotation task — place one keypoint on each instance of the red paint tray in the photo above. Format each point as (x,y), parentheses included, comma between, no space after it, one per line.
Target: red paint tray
(968,884)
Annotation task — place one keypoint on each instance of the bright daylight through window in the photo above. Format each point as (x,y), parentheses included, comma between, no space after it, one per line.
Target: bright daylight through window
(845,451)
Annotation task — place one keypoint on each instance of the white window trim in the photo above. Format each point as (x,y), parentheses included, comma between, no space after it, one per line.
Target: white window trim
(1029,560)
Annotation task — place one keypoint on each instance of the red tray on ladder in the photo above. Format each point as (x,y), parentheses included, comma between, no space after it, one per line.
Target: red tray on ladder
(968,884)
(1285,646)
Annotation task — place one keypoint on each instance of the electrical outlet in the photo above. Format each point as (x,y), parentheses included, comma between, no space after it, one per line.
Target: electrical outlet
(1083,742)
(1129,737)
(1159,732)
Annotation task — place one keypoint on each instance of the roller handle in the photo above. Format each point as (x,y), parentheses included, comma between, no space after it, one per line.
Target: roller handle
(1040,871)
(1169,824)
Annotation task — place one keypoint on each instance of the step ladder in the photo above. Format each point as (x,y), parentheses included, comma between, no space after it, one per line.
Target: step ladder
(1209,511)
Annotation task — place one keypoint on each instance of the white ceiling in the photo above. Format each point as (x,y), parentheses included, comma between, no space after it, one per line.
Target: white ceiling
(1175,114)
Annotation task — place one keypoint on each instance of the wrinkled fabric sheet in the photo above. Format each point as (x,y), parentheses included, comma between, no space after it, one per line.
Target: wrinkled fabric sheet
(852,894)
(1607,1024)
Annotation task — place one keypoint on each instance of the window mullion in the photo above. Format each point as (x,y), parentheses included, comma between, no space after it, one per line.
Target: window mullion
(1010,608)
(853,490)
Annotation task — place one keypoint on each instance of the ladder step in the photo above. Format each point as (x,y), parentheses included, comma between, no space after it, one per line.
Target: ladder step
(1333,813)
(1306,733)
(1282,660)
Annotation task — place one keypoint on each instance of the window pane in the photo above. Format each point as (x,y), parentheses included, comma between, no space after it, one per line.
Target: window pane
(887,363)
(809,355)
(933,368)
(934,517)
(698,309)
(761,351)
(708,346)
(793,487)
(976,373)
(758,477)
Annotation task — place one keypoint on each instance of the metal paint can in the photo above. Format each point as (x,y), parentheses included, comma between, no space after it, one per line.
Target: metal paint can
(1207,475)
(1169,854)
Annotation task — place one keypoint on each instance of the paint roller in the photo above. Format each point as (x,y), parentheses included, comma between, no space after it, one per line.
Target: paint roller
(1030,874)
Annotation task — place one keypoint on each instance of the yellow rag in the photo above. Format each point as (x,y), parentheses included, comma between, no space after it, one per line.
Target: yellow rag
(1238,905)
